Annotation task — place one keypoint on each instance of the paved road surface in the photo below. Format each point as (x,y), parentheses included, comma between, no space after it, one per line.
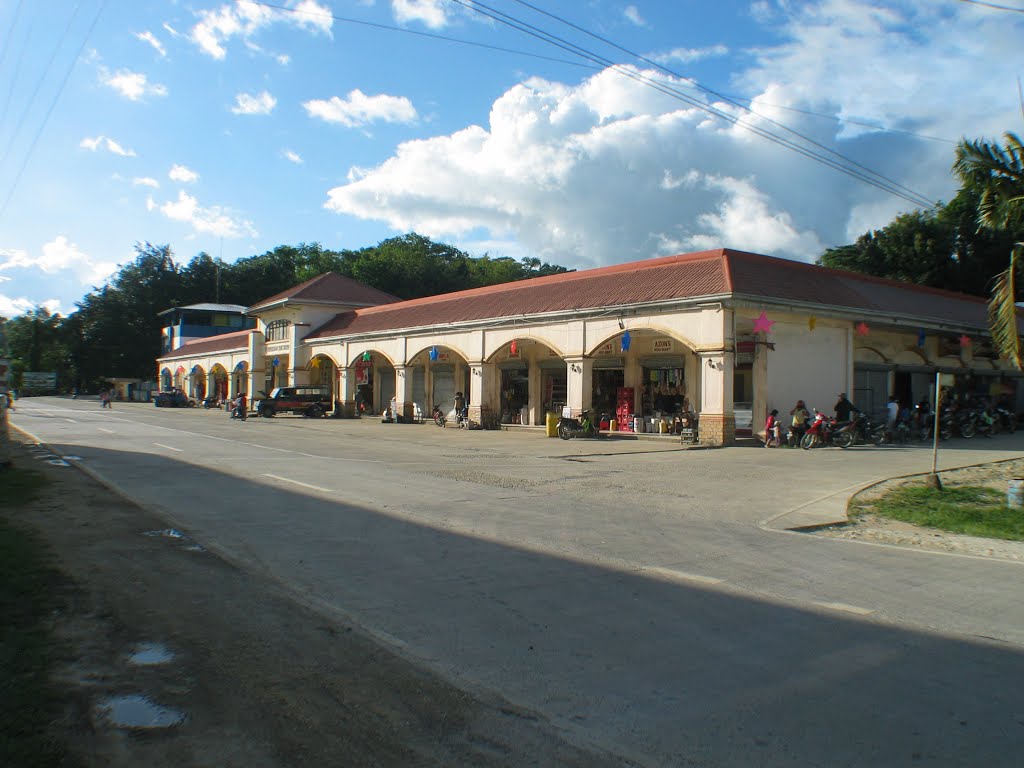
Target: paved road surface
(629,591)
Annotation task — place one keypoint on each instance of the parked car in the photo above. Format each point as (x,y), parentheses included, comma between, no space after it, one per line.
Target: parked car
(173,399)
(313,402)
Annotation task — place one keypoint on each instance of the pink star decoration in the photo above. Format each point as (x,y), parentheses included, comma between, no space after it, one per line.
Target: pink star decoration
(862,329)
(763,324)
(965,340)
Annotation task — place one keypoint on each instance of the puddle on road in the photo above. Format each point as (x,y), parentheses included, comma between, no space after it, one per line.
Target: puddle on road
(150,654)
(170,533)
(136,711)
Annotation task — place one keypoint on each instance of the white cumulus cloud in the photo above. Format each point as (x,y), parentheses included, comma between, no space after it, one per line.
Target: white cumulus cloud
(689,55)
(145,181)
(57,257)
(632,13)
(182,174)
(609,170)
(244,20)
(430,12)
(291,156)
(213,220)
(106,143)
(358,109)
(134,86)
(260,104)
(151,39)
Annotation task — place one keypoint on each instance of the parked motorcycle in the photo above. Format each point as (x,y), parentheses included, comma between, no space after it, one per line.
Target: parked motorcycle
(584,426)
(211,402)
(819,433)
(860,431)
(1006,419)
(438,416)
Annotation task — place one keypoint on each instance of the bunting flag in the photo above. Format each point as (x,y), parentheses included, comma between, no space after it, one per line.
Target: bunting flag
(965,340)
(763,325)
(626,341)
(513,348)
(812,321)
(920,338)
(862,329)
(433,354)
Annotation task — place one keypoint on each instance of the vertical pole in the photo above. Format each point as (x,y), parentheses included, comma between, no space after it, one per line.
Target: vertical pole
(933,478)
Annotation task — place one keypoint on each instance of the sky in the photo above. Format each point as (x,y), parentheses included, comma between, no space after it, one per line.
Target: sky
(580,132)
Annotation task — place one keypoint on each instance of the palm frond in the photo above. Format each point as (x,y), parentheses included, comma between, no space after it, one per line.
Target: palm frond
(1002,311)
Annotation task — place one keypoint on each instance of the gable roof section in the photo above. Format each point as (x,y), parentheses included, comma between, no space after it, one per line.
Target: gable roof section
(672,277)
(716,274)
(329,288)
(221,343)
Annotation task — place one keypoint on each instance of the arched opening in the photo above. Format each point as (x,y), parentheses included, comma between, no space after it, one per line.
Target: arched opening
(197,383)
(219,383)
(438,373)
(166,379)
(180,378)
(641,377)
(277,330)
(240,374)
(324,373)
(374,381)
(531,380)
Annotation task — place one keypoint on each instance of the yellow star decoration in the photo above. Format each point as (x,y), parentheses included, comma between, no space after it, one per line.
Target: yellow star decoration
(811,322)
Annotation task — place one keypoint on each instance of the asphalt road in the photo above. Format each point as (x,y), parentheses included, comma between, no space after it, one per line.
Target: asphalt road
(634,593)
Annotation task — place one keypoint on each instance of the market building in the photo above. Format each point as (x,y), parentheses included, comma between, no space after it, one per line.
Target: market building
(723,335)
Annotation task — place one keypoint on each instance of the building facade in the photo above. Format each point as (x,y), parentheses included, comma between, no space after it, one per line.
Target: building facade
(723,335)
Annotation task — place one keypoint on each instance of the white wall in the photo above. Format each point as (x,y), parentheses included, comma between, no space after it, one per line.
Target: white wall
(806,365)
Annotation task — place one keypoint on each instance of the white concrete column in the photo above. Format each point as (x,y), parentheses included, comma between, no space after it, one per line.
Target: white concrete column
(403,392)
(536,402)
(580,383)
(717,419)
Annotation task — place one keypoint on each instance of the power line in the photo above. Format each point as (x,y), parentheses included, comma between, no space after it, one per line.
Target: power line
(39,84)
(728,99)
(584,65)
(49,111)
(866,175)
(994,5)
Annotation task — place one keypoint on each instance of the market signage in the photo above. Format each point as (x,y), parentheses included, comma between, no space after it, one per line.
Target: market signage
(605,349)
(39,380)
(664,345)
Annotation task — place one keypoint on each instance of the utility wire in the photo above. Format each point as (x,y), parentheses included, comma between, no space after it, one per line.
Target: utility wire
(581,65)
(49,111)
(39,84)
(994,5)
(842,158)
(866,175)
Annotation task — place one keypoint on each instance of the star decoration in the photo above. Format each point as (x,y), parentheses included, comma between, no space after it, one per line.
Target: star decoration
(763,324)
(965,340)
(862,329)
(812,321)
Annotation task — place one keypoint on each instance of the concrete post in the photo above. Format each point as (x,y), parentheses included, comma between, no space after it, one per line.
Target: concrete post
(580,383)
(403,393)
(717,419)
(536,403)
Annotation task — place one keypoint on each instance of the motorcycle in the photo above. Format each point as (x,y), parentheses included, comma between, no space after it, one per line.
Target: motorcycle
(819,432)
(1006,419)
(569,428)
(860,431)
(211,402)
(438,416)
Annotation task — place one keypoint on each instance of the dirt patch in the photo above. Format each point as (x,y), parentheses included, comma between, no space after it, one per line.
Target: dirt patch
(865,526)
(259,681)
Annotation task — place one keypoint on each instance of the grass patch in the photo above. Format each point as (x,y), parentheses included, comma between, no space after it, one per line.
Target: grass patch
(972,510)
(28,595)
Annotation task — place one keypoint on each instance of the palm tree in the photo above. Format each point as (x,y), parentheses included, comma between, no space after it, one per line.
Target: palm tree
(998,172)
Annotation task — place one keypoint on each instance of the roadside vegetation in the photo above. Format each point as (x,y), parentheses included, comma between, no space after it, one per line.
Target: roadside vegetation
(967,509)
(28,585)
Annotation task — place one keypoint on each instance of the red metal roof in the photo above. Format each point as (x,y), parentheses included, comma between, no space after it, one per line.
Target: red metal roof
(711,274)
(221,343)
(330,287)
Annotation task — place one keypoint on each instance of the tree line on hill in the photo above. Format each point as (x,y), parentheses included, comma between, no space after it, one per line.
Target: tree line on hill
(115,330)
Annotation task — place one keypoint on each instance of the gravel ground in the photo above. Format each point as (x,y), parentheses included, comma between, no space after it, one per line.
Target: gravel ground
(866,526)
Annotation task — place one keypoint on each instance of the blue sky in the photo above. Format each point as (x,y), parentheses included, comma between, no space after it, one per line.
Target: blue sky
(235,127)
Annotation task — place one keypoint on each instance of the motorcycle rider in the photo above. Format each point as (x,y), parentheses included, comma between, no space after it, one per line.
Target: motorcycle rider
(892,415)
(798,425)
(844,408)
